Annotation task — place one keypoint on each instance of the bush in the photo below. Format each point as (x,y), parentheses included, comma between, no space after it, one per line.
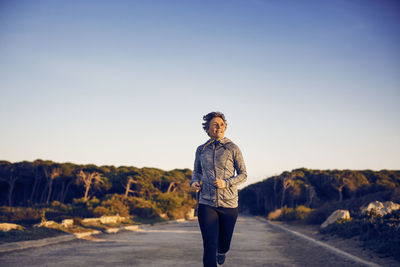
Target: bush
(343,228)
(298,214)
(396,195)
(143,208)
(113,205)
(29,216)
(174,205)
(287,214)
(318,216)
(302,212)
(84,208)
(274,215)
(167,201)
(20,215)
(379,233)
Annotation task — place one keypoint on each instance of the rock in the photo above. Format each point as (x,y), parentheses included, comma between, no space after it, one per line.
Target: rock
(67,223)
(390,206)
(49,224)
(109,219)
(105,219)
(335,216)
(381,208)
(190,215)
(112,230)
(5,227)
(86,234)
(132,227)
(91,220)
(376,205)
(112,219)
(164,216)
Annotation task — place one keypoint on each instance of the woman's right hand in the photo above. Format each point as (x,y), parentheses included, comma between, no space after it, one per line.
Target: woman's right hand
(196,186)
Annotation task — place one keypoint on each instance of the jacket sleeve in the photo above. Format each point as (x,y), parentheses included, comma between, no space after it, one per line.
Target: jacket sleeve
(197,172)
(240,167)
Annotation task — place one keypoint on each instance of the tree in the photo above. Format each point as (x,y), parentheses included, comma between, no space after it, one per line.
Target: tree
(8,176)
(286,183)
(37,178)
(50,174)
(66,180)
(311,195)
(89,180)
(24,171)
(129,182)
(338,181)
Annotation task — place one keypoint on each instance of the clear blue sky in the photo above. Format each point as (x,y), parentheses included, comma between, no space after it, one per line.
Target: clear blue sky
(312,84)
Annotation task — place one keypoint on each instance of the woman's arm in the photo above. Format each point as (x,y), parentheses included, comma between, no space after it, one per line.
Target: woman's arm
(197,172)
(240,167)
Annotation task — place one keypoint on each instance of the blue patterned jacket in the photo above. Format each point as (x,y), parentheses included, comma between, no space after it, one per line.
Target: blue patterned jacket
(219,159)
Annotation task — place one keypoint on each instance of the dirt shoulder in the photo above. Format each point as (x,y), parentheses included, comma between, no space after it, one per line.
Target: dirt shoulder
(352,246)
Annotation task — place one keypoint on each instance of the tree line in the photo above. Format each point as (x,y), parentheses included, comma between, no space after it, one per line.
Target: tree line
(150,191)
(42,183)
(317,188)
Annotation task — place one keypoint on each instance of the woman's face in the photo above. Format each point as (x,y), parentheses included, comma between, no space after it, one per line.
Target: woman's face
(217,128)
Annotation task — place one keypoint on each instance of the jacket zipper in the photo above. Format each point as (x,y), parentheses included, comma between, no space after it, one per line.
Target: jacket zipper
(215,175)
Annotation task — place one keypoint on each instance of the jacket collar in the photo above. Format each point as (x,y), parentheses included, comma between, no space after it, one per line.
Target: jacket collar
(223,141)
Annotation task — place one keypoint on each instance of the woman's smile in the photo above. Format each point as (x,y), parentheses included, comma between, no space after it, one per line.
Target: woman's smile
(217,128)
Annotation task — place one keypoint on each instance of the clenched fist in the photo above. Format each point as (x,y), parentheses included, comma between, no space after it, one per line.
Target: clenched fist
(219,183)
(196,186)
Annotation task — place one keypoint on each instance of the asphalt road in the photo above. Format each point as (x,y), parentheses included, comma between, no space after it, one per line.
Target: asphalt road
(255,243)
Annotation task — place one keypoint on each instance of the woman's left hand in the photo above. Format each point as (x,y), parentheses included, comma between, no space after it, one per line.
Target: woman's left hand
(219,183)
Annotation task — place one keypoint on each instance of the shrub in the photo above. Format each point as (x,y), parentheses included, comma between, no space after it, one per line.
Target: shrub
(55,204)
(143,208)
(300,213)
(84,208)
(378,233)
(318,216)
(20,215)
(167,201)
(287,214)
(113,205)
(343,228)
(173,204)
(396,195)
(274,215)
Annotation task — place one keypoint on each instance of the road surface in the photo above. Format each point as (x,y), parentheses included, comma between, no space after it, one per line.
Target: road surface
(255,243)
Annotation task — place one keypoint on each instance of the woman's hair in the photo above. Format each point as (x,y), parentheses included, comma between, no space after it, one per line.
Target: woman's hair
(207,119)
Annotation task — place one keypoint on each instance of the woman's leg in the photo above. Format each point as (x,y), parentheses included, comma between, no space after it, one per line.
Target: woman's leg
(227,220)
(208,221)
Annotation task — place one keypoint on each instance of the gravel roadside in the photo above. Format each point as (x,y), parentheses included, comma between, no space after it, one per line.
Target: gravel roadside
(352,246)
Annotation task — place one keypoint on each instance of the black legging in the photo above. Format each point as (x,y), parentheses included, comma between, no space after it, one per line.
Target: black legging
(216,225)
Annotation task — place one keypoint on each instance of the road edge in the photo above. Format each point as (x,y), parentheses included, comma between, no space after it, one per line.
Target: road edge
(334,250)
(20,245)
